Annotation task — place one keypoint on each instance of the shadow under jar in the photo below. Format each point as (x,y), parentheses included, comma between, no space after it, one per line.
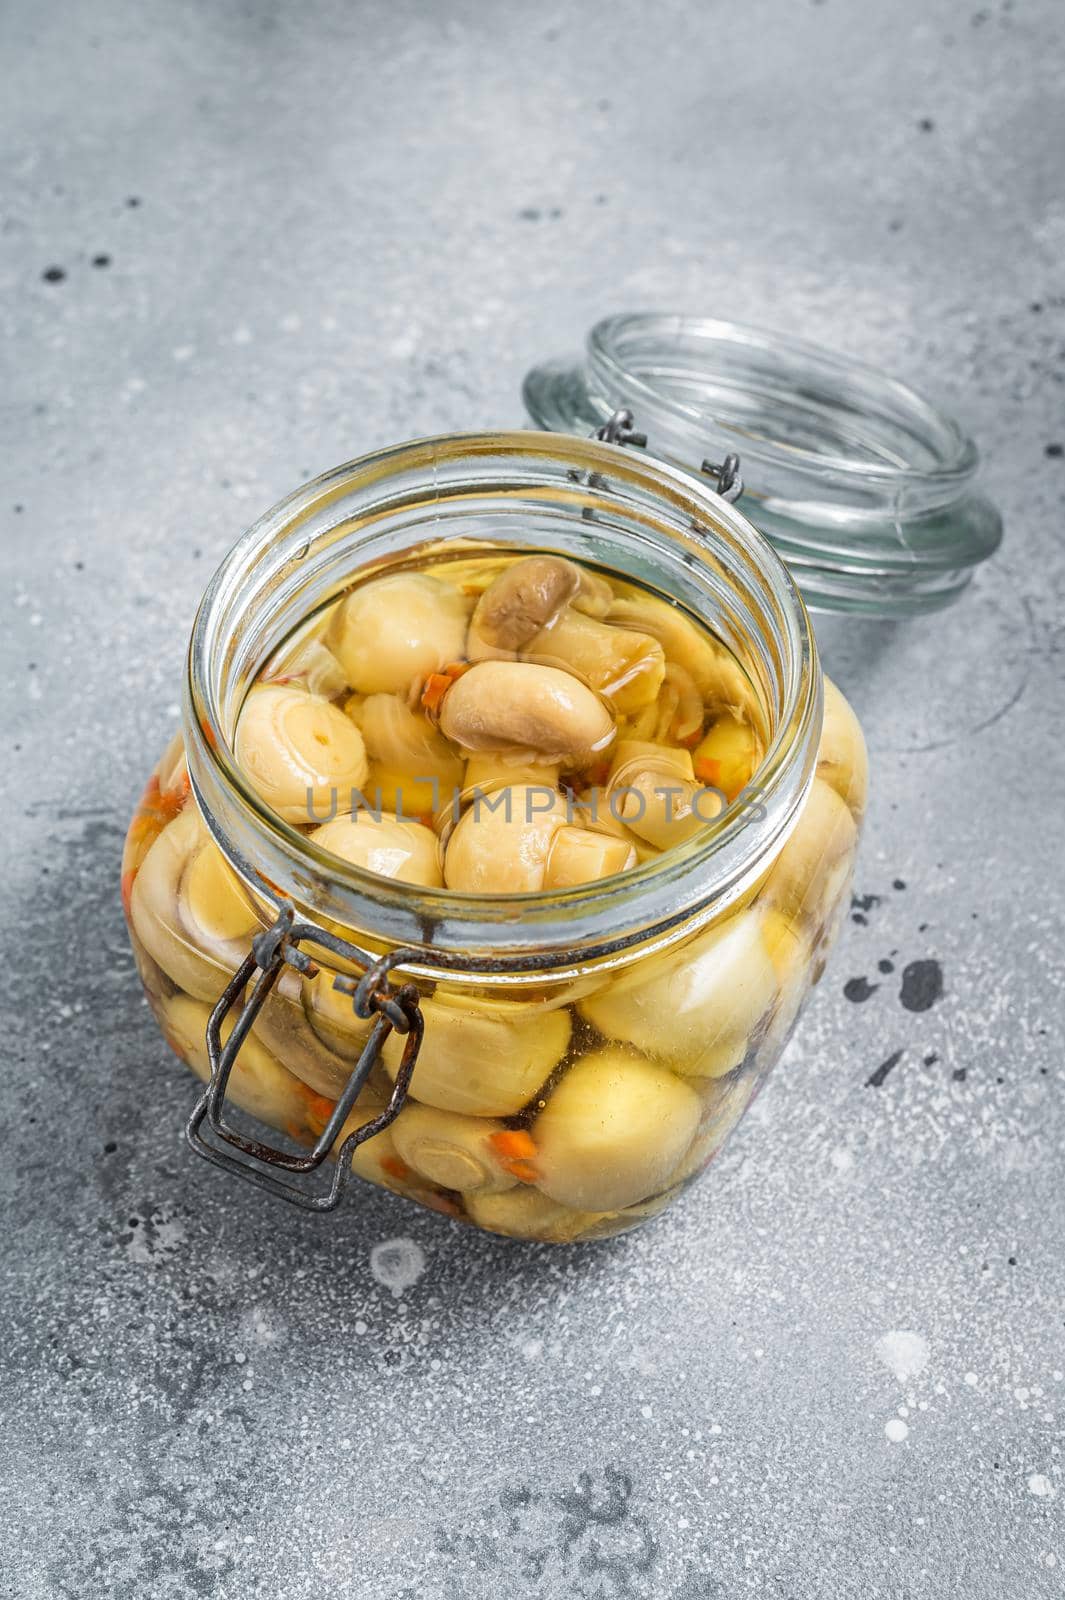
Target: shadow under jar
(551,1065)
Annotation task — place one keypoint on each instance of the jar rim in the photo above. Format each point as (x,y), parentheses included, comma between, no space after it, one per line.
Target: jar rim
(865,487)
(609,354)
(426,480)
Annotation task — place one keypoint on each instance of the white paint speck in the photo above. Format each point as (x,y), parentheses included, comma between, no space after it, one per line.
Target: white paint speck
(841,1159)
(903,1353)
(971,1379)
(397,1264)
(896,1430)
(1039,1484)
(646,1413)
(242,335)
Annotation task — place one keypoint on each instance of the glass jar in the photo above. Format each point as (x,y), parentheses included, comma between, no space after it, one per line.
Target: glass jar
(551,1066)
(865,488)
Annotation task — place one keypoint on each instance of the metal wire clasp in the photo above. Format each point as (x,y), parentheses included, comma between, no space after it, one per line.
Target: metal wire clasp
(618,429)
(397,1009)
(729,482)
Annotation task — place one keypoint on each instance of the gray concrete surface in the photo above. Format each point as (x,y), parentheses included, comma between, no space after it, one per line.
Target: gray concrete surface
(289,233)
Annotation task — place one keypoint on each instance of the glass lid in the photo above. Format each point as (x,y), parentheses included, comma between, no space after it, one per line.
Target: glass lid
(864,487)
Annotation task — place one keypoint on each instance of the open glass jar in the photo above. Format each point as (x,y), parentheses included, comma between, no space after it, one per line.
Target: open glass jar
(552,1065)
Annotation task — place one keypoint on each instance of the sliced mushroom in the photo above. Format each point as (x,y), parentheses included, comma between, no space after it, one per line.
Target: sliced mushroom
(626,666)
(453,1150)
(188,909)
(525,597)
(485,1060)
(841,757)
(311,663)
(728,756)
(394,631)
(812,869)
(696,1006)
(580,855)
(613,1131)
(716,673)
(528,712)
(414,771)
(385,844)
(301,753)
(651,789)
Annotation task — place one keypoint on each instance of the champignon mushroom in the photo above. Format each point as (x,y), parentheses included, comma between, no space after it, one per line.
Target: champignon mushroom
(414,771)
(386,844)
(189,910)
(299,751)
(716,673)
(394,631)
(841,757)
(525,596)
(525,1213)
(528,712)
(613,1131)
(453,1150)
(487,1060)
(520,841)
(626,666)
(816,861)
(696,1006)
(651,789)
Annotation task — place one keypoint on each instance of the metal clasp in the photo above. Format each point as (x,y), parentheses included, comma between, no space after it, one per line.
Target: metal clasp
(618,429)
(373,996)
(729,482)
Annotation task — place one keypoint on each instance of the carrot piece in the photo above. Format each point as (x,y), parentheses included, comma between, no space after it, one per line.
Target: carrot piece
(690,740)
(524,1171)
(513,1144)
(319,1106)
(437,685)
(395,1168)
(709,770)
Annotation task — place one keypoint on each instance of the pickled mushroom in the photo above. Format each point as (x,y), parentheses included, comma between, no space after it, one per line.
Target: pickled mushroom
(697,1005)
(487,1061)
(299,751)
(613,1130)
(514,708)
(451,1149)
(385,844)
(394,631)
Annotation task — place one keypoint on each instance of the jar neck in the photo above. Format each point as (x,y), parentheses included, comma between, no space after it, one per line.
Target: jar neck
(460,494)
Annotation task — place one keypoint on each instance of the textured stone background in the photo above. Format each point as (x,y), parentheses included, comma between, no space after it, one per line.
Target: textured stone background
(285,234)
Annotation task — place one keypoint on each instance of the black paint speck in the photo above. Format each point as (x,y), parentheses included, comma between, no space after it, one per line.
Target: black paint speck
(864,902)
(101,261)
(1036,306)
(1054,450)
(960,1074)
(856,916)
(875,1079)
(895,225)
(899,883)
(134,1222)
(859,989)
(926,125)
(110,1147)
(53,274)
(1011,1261)
(931,1058)
(885,966)
(18,510)
(133,201)
(922,927)
(529,214)
(922,985)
